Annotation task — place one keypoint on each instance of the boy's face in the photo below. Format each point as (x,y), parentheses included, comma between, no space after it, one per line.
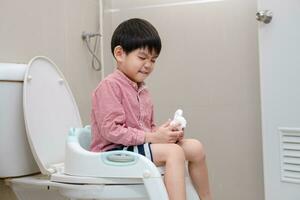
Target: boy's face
(136,65)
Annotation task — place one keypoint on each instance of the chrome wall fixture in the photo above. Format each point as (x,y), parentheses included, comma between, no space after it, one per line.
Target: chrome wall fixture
(264,16)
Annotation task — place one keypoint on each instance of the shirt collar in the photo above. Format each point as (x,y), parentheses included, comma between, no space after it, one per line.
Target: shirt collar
(137,87)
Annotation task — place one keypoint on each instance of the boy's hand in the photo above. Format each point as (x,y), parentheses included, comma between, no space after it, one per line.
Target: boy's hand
(165,134)
(177,127)
(180,138)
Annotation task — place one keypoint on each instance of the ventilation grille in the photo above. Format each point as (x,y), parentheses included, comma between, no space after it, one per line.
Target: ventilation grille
(290,154)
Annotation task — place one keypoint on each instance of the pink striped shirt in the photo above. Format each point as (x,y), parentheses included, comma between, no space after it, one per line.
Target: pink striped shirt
(121,113)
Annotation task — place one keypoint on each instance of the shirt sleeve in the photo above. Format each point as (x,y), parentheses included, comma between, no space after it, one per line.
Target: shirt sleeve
(153,125)
(111,119)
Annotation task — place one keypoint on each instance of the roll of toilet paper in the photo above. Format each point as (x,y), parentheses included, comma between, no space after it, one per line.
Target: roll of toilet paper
(179,119)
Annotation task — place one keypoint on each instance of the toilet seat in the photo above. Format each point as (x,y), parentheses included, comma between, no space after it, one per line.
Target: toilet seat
(49,111)
(62,178)
(77,191)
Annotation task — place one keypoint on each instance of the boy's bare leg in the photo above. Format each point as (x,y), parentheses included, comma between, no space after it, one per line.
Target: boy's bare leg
(172,156)
(194,153)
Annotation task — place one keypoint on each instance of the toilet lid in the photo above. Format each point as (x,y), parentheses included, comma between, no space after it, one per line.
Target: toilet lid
(49,111)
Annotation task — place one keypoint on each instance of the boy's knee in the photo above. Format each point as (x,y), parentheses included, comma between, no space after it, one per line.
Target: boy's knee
(176,151)
(198,149)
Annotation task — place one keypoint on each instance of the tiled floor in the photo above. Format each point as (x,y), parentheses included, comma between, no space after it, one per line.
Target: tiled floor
(5,192)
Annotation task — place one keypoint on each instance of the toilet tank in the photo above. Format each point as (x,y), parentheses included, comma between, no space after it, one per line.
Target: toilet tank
(16,158)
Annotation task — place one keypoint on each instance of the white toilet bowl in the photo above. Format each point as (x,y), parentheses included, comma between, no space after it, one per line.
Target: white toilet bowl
(69,171)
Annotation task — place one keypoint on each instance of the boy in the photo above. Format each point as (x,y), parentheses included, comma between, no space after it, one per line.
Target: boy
(122,113)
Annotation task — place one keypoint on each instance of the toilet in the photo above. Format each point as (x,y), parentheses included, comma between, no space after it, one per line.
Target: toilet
(44,147)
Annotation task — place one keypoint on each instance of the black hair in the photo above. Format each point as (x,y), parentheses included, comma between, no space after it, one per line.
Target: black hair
(136,33)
